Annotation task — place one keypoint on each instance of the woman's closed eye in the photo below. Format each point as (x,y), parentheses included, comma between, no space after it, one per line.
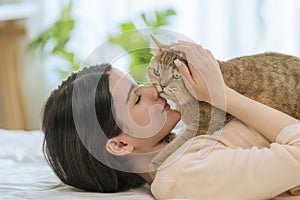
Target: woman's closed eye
(138,99)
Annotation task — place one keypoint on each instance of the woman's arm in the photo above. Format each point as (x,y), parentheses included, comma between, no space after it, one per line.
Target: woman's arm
(204,80)
(233,173)
(266,120)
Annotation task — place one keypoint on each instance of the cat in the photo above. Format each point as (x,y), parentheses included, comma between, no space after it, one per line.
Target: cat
(270,78)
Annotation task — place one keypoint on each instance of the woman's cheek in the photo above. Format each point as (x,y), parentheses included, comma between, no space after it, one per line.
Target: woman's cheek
(147,122)
(141,117)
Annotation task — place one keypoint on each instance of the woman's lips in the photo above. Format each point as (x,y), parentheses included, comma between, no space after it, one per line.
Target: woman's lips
(167,107)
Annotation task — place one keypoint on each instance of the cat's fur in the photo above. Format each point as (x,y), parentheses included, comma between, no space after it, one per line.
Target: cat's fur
(270,78)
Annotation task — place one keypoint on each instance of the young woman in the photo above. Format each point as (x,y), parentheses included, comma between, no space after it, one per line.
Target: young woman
(256,157)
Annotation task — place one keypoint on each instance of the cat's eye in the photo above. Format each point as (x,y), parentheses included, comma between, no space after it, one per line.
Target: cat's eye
(156,72)
(176,76)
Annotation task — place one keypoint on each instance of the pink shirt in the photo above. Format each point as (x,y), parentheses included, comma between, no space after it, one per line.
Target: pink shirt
(235,164)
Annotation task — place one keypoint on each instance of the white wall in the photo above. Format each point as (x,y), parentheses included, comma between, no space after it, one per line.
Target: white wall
(229,28)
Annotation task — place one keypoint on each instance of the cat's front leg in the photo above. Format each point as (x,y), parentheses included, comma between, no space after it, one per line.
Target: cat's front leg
(190,113)
(212,119)
(188,133)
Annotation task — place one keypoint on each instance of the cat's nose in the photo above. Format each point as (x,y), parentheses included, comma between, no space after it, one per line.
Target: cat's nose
(162,86)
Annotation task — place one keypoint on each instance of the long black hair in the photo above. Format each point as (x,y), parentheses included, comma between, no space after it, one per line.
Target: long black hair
(64,150)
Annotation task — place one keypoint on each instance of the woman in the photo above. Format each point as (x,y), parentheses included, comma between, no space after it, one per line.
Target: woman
(135,121)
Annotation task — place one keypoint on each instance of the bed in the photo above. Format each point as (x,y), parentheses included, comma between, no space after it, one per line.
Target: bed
(24,174)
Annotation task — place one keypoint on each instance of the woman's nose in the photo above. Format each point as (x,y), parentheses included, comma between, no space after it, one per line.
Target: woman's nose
(154,91)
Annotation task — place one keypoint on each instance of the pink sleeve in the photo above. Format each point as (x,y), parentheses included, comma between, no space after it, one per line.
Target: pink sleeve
(243,173)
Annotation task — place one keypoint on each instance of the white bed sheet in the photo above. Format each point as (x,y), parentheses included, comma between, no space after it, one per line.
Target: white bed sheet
(24,174)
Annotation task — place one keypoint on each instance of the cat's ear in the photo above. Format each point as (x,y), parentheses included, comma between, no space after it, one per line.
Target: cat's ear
(158,43)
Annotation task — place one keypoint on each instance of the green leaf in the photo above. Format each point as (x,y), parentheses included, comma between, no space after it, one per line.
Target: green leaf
(136,44)
(69,56)
(161,18)
(133,41)
(58,35)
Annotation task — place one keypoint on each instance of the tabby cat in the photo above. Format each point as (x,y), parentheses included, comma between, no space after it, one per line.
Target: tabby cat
(270,78)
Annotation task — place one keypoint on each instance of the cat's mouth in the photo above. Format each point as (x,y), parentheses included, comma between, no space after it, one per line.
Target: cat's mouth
(164,92)
(160,90)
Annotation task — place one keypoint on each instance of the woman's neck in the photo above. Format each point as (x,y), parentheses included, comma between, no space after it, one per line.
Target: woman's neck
(142,161)
(146,177)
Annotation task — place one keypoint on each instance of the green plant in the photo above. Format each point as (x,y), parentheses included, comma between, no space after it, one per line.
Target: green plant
(53,41)
(139,48)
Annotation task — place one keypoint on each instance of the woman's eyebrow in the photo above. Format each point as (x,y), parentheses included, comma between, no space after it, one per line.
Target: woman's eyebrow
(129,93)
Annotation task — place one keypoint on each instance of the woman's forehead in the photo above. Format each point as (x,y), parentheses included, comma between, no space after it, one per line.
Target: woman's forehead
(119,81)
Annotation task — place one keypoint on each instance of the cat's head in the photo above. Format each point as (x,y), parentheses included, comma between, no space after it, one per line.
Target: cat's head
(163,73)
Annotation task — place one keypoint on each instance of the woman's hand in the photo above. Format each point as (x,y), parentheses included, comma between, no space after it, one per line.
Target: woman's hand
(204,80)
(203,77)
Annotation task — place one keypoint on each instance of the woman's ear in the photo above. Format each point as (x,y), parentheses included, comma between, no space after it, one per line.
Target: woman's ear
(118,147)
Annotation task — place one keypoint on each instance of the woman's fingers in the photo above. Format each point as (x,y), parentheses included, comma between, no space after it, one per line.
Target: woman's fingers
(191,53)
(186,76)
(185,43)
(180,42)
(203,74)
(210,55)
(184,71)
(182,68)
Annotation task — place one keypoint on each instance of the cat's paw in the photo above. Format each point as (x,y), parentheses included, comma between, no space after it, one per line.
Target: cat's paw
(158,88)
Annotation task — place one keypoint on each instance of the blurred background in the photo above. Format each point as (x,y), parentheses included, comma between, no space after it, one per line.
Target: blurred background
(42,41)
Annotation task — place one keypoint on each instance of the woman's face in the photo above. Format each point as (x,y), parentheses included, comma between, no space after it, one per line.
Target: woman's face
(141,112)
